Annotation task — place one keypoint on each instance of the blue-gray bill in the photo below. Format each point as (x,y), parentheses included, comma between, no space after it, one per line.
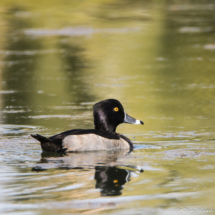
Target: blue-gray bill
(131,120)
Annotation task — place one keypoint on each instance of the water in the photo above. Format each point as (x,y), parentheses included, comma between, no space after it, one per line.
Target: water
(58,58)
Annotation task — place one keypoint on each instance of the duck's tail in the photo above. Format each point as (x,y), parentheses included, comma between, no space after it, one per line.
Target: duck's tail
(40,138)
(47,144)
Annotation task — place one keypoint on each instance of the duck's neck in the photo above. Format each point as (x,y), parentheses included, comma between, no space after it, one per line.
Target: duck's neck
(102,124)
(105,127)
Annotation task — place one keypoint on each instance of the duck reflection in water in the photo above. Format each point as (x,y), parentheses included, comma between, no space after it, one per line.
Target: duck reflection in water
(111,179)
(82,160)
(110,173)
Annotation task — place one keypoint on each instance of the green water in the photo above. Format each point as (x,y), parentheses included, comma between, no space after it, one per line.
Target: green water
(58,58)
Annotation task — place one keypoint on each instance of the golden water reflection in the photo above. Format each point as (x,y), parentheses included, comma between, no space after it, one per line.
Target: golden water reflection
(58,58)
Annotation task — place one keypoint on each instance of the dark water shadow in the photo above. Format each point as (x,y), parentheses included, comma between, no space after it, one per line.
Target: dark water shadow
(19,63)
(75,69)
(110,180)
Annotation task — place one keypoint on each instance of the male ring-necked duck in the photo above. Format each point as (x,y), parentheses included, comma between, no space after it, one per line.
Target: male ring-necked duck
(108,114)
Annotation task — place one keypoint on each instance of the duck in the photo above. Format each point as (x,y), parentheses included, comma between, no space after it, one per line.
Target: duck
(108,114)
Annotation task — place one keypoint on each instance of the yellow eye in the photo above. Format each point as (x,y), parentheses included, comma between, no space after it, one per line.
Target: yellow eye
(116,109)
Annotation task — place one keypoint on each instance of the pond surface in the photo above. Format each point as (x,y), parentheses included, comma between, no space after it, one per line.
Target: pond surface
(58,58)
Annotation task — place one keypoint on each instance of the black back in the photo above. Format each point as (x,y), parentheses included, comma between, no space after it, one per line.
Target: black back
(61,136)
